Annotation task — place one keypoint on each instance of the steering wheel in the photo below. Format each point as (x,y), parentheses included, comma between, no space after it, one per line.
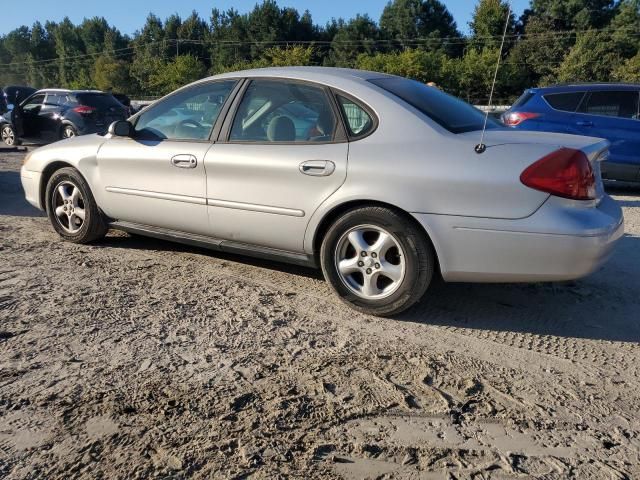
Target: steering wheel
(190,122)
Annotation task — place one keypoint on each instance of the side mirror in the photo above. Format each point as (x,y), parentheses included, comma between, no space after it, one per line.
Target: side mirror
(10,107)
(120,128)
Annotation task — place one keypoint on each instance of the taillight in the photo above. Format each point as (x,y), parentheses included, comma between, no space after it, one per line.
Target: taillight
(566,173)
(84,110)
(512,119)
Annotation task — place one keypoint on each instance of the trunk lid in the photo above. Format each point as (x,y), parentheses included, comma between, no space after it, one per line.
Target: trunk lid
(596,149)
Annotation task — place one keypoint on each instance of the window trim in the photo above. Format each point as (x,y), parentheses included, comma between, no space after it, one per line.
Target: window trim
(361,104)
(587,97)
(340,134)
(216,125)
(545,95)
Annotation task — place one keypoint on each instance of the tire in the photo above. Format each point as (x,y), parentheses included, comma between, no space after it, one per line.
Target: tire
(395,269)
(9,136)
(68,131)
(67,194)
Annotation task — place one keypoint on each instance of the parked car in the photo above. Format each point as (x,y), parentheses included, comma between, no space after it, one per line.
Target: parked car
(383,191)
(53,114)
(610,111)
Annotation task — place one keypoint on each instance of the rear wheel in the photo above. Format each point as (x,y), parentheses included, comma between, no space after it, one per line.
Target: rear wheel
(9,135)
(69,131)
(72,209)
(377,260)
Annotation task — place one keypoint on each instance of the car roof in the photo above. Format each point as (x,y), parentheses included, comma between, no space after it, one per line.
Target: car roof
(325,75)
(581,87)
(66,90)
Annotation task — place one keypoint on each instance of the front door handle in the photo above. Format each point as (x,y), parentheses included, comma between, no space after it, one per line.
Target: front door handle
(584,123)
(317,168)
(184,161)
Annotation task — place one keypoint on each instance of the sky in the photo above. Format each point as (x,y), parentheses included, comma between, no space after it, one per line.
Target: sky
(129,15)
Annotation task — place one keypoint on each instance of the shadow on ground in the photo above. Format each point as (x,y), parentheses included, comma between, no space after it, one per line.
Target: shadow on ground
(603,306)
(12,201)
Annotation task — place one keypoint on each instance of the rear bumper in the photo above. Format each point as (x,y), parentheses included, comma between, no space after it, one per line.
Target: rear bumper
(31,185)
(563,240)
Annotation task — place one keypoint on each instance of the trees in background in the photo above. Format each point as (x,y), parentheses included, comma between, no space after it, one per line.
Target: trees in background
(553,41)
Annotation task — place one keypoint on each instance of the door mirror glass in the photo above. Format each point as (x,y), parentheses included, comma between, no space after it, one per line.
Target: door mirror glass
(188,114)
(120,128)
(10,107)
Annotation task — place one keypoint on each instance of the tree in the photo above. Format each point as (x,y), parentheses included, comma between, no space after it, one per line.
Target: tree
(181,70)
(625,27)
(629,71)
(488,22)
(574,14)
(592,59)
(405,21)
(111,75)
(359,35)
(418,64)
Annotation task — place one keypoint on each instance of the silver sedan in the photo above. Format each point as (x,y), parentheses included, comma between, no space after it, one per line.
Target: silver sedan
(372,177)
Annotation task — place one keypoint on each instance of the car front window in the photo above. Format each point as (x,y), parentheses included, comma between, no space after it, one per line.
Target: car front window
(187,115)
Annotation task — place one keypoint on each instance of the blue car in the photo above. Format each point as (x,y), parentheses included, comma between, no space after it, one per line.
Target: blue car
(610,111)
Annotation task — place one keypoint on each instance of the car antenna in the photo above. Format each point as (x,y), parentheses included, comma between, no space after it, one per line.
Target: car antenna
(481,147)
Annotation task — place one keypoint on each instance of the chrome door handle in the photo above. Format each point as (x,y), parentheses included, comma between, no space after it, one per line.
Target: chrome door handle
(317,168)
(184,161)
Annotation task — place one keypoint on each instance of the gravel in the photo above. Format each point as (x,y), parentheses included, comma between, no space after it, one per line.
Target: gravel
(136,358)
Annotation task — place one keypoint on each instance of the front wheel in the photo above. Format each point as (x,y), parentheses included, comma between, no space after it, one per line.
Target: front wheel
(9,136)
(377,260)
(71,208)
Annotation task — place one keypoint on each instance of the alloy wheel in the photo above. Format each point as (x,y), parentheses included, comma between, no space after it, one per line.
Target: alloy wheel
(68,132)
(370,262)
(8,135)
(68,206)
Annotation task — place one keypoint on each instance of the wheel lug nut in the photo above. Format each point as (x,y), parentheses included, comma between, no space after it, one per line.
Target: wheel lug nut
(377,265)
(361,263)
(364,254)
(374,254)
(369,270)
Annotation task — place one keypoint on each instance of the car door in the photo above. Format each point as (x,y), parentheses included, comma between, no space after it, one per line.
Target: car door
(26,117)
(613,114)
(157,177)
(281,153)
(49,117)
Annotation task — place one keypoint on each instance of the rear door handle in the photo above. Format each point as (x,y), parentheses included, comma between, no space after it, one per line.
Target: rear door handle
(317,168)
(184,160)
(584,123)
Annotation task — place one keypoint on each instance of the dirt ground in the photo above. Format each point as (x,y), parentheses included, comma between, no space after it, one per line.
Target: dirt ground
(136,358)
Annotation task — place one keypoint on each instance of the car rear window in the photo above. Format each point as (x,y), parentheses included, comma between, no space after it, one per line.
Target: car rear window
(97,100)
(524,98)
(566,102)
(450,112)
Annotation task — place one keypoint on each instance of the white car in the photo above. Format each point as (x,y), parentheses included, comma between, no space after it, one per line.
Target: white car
(378,183)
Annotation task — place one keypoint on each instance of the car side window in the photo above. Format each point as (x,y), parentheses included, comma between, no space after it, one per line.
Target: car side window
(622,104)
(34,103)
(187,115)
(565,102)
(359,122)
(283,111)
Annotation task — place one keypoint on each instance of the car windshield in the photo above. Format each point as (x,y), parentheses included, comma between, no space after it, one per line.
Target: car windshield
(98,100)
(450,112)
